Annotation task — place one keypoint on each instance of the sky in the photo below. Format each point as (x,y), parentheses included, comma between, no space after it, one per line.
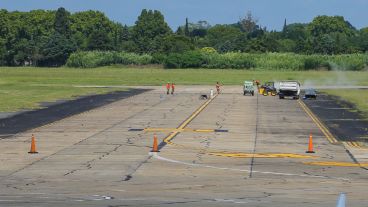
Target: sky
(270,13)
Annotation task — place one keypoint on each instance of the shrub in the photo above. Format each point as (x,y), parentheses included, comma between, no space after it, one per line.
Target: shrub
(229,60)
(207,58)
(312,63)
(190,59)
(208,50)
(94,59)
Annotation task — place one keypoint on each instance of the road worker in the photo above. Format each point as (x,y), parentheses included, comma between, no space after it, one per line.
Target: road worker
(172,88)
(168,88)
(258,83)
(218,87)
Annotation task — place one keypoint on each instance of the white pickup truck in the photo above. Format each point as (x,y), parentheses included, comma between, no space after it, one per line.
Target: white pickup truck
(290,89)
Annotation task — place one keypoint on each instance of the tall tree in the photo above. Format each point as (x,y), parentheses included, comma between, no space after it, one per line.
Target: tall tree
(59,46)
(99,40)
(330,34)
(248,23)
(62,22)
(57,50)
(125,34)
(186,30)
(149,31)
(179,31)
(223,37)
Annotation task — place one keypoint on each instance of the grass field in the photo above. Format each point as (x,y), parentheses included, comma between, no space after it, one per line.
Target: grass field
(23,88)
(359,97)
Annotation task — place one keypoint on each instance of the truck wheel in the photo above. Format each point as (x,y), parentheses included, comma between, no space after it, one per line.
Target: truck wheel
(244,93)
(253,93)
(281,97)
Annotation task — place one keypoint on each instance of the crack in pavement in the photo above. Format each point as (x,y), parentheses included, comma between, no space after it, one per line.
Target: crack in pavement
(255,140)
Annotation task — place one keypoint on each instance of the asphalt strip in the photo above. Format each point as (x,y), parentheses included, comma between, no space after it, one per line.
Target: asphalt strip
(32,119)
(336,114)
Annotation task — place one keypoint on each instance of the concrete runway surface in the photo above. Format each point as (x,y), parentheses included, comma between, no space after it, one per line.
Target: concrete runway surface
(101,158)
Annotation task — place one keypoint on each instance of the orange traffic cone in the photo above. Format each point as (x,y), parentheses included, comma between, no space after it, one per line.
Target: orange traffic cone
(33,146)
(155,145)
(310,145)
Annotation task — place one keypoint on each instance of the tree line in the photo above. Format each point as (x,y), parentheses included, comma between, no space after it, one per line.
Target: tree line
(48,38)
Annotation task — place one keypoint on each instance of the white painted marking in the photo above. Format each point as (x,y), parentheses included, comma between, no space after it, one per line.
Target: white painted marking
(346,119)
(341,201)
(339,108)
(243,170)
(231,201)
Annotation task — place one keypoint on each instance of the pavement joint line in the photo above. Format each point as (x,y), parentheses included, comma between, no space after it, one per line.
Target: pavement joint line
(157,156)
(255,139)
(320,125)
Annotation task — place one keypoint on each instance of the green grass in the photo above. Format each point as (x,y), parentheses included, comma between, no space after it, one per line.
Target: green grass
(23,88)
(358,97)
(18,96)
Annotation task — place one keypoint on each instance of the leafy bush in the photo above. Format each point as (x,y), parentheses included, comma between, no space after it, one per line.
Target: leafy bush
(158,58)
(94,59)
(229,60)
(208,50)
(190,59)
(207,58)
(312,63)
(347,62)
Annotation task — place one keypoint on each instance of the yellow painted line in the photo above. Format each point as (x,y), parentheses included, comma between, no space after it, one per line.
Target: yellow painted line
(181,128)
(320,125)
(361,145)
(356,145)
(261,155)
(204,130)
(241,155)
(338,164)
(187,121)
(177,130)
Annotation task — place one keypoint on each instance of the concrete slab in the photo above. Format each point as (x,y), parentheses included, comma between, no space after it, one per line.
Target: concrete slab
(92,159)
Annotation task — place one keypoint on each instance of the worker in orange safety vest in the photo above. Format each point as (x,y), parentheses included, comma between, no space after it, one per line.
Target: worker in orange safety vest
(172,88)
(168,88)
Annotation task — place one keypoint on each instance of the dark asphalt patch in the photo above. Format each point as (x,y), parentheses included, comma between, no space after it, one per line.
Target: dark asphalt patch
(337,114)
(60,110)
(135,130)
(221,130)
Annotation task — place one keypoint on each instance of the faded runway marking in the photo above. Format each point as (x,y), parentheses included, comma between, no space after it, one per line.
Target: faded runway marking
(261,155)
(155,155)
(338,164)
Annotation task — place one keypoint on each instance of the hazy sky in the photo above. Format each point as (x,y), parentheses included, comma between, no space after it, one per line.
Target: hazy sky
(271,13)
